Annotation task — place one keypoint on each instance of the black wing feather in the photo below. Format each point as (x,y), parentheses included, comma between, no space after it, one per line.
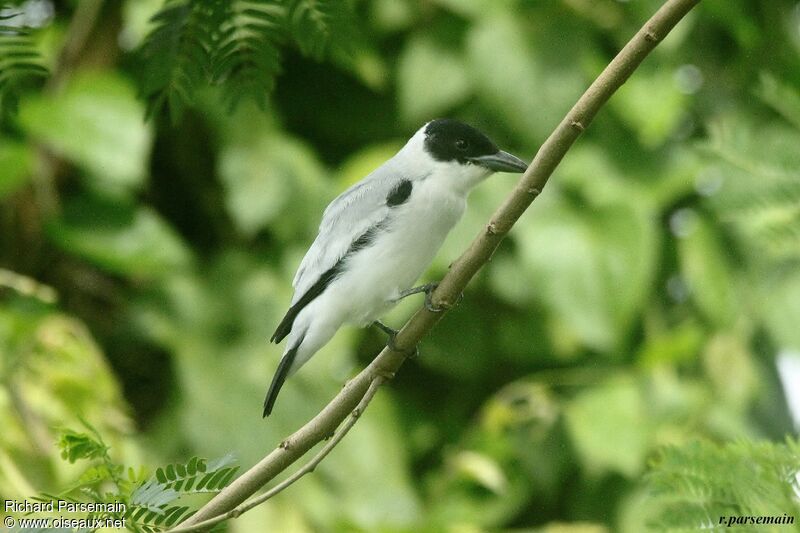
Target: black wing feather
(285,327)
(316,289)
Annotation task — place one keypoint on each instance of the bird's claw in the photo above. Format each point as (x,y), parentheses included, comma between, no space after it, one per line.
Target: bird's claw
(410,353)
(444,306)
(391,332)
(392,335)
(428,289)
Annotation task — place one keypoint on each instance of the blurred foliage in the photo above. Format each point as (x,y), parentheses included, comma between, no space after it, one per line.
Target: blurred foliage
(702,483)
(19,61)
(149,504)
(233,44)
(641,303)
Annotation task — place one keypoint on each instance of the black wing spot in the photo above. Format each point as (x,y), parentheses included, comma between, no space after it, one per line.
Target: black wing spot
(399,194)
(322,283)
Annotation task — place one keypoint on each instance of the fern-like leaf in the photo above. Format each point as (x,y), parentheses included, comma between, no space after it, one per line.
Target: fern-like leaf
(246,56)
(196,476)
(20,62)
(699,485)
(153,502)
(176,54)
(153,521)
(235,44)
(759,193)
(318,25)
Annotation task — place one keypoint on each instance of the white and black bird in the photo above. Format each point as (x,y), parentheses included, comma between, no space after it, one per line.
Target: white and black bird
(379,236)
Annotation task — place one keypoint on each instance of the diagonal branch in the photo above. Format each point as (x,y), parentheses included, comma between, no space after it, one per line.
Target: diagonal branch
(461,272)
(305,469)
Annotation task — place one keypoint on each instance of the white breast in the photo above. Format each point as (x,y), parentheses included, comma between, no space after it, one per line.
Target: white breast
(400,254)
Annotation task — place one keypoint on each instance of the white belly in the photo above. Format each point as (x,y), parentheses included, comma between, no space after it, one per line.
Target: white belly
(398,256)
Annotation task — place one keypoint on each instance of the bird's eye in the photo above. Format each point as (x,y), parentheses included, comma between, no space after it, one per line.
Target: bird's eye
(462,145)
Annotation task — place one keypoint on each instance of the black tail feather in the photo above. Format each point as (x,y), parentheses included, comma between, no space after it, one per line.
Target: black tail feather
(280,376)
(285,327)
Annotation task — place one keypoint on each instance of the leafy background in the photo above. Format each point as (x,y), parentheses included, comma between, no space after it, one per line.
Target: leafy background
(640,323)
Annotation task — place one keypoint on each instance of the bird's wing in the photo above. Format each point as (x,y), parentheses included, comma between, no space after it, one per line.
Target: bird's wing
(347,218)
(345,225)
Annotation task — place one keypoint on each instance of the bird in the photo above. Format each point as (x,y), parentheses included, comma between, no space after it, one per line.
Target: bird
(378,237)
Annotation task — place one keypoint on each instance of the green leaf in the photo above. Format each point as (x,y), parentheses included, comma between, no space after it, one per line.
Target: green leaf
(173,515)
(757,195)
(678,345)
(20,62)
(176,53)
(76,446)
(608,427)
(16,165)
(592,267)
(262,173)
(136,21)
(504,68)
(204,481)
(778,300)
(191,466)
(319,26)
(480,469)
(431,80)
(467,335)
(651,104)
(96,122)
(218,479)
(730,366)
(150,499)
(503,79)
(707,272)
(703,481)
(465,8)
(236,45)
(120,238)
(154,494)
(390,16)
(781,97)
(245,55)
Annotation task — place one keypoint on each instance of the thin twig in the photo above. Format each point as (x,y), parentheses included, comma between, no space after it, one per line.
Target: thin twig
(43,179)
(306,469)
(462,270)
(80,28)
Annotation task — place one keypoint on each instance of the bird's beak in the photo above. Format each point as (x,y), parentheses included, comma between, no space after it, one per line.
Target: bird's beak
(501,162)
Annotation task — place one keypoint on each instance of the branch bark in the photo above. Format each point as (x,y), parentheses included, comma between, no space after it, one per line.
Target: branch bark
(305,469)
(478,254)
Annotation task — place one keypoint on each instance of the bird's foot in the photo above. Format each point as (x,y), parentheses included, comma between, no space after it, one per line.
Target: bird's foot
(392,334)
(428,289)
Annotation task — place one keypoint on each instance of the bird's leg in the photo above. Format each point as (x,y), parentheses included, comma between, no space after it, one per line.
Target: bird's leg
(392,334)
(428,289)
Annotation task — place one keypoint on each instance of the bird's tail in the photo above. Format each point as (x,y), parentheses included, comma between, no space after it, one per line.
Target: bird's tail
(281,374)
